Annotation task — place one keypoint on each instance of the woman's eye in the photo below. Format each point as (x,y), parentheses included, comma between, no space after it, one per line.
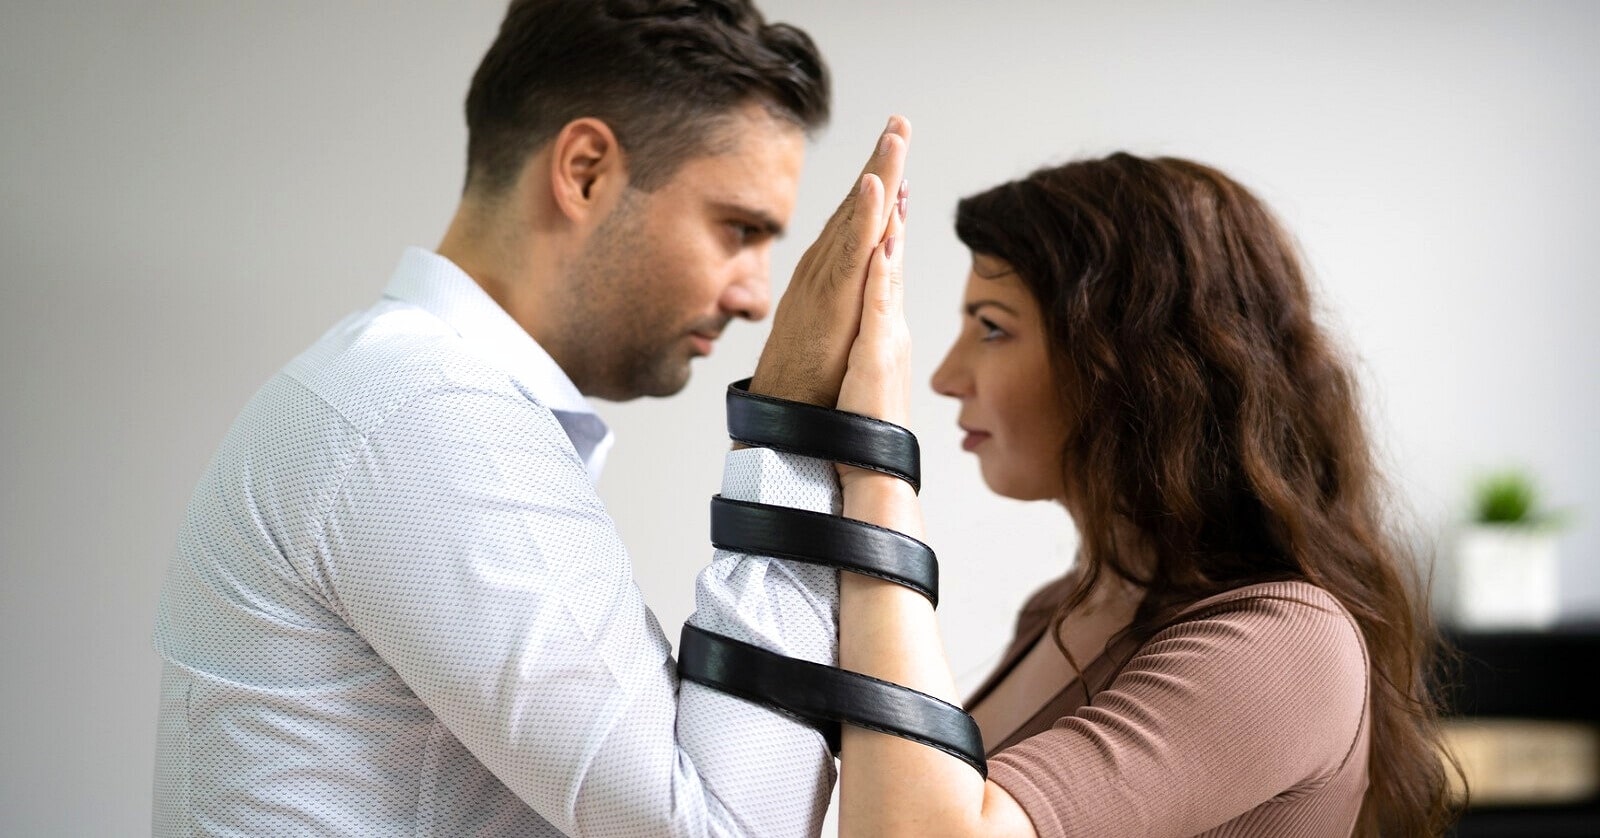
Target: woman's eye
(991,332)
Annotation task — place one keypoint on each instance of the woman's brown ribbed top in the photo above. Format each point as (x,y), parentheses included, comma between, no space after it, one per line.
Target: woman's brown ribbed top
(1247,716)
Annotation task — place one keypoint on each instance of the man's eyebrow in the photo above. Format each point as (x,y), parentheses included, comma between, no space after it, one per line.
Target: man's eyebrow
(975,306)
(769,225)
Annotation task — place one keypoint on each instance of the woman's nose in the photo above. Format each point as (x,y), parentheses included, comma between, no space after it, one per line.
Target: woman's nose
(949,378)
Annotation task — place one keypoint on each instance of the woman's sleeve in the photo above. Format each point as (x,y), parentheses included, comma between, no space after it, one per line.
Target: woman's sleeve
(1211,718)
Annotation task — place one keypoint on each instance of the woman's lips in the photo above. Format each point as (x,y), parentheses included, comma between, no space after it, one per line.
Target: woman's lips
(973,439)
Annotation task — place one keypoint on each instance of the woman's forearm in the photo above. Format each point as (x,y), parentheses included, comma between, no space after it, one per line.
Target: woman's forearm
(888,785)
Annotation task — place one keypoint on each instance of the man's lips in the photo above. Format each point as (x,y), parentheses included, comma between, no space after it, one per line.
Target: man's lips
(702,342)
(973,439)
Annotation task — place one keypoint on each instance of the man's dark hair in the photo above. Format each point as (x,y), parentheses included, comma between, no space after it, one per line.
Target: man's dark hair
(660,73)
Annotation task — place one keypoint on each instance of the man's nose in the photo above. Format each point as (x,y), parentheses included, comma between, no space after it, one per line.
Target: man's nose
(750,296)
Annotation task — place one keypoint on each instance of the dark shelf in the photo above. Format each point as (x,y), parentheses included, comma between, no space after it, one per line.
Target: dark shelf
(1531,822)
(1528,675)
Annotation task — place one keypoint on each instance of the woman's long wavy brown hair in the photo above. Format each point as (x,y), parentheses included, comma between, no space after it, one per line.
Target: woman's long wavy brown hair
(1209,410)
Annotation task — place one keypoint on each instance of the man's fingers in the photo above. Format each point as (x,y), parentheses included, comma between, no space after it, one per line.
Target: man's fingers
(855,239)
(887,161)
(848,233)
(889,164)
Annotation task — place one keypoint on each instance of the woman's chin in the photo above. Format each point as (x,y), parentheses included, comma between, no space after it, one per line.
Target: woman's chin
(1026,487)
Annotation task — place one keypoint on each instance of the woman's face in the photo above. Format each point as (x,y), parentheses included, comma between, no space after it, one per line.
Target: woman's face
(999,368)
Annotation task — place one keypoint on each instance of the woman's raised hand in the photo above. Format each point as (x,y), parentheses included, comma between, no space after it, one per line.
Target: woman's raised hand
(877,380)
(820,312)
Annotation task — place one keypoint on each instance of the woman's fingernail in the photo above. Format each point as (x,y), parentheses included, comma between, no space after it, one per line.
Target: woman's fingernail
(888,247)
(883,144)
(902,204)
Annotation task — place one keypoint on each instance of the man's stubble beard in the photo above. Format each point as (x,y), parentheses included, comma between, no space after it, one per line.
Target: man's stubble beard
(621,338)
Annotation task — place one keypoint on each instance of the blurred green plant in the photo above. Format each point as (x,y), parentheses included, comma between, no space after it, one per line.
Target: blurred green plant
(1509,497)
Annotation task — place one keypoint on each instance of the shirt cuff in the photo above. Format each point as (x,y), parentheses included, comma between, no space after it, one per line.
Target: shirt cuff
(762,475)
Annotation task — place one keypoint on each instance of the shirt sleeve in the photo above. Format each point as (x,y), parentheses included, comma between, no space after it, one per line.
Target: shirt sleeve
(785,607)
(1211,718)
(469,549)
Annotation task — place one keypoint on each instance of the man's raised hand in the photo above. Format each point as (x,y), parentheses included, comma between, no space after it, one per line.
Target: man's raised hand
(820,312)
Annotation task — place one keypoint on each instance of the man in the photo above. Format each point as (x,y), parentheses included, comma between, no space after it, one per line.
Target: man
(397,606)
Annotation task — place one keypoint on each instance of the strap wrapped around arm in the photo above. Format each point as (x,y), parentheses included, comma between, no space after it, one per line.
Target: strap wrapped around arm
(825,696)
(758,529)
(849,438)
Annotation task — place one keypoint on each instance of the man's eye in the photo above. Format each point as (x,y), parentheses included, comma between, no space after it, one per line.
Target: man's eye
(744,233)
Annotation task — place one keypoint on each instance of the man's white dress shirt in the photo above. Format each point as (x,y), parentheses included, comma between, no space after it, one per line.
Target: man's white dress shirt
(398,607)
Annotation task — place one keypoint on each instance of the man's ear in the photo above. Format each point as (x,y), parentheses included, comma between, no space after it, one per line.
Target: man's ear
(587,169)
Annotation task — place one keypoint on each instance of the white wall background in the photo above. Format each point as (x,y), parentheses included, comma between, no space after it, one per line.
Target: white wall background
(190,192)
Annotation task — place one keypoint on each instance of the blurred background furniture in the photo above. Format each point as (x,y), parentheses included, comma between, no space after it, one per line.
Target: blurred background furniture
(1524,717)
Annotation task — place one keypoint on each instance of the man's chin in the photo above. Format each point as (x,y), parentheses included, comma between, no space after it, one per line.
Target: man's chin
(657,383)
(672,385)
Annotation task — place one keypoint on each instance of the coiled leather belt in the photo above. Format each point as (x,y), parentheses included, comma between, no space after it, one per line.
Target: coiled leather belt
(825,697)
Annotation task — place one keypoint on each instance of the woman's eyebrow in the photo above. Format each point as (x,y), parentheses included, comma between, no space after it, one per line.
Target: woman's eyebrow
(975,306)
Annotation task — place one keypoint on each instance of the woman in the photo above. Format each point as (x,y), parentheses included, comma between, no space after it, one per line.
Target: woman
(1240,648)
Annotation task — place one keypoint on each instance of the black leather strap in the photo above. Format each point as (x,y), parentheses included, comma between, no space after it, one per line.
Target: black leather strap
(825,696)
(815,538)
(811,431)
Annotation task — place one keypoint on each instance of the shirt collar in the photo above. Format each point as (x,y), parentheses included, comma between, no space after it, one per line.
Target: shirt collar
(436,285)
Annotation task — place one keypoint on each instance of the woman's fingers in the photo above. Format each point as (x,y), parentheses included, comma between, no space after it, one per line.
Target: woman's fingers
(877,381)
(896,254)
(885,291)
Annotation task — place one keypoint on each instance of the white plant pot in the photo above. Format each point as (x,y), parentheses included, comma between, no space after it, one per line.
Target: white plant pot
(1506,578)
